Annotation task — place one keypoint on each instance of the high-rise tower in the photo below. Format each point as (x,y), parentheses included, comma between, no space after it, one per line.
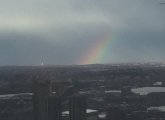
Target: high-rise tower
(54,108)
(41,93)
(77,108)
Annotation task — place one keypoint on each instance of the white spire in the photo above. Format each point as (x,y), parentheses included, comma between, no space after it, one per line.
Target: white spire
(42,63)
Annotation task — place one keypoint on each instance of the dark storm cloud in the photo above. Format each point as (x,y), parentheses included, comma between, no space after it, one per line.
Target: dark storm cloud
(32,50)
(139,47)
(58,32)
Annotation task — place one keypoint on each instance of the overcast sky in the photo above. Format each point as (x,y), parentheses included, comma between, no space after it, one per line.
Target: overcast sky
(60,32)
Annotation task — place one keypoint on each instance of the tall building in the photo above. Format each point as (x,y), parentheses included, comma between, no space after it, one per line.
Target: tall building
(114,113)
(54,108)
(90,115)
(47,106)
(41,93)
(77,108)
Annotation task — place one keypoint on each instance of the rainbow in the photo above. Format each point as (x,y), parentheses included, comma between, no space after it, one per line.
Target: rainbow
(98,52)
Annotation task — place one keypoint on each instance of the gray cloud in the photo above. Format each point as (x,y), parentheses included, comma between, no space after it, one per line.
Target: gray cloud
(60,31)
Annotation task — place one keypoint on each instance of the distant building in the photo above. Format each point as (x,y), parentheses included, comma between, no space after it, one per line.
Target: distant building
(156,109)
(138,115)
(158,84)
(156,99)
(102,116)
(126,91)
(90,115)
(156,113)
(116,93)
(115,113)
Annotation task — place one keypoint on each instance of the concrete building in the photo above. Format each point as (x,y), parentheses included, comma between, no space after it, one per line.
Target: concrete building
(114,113)
(90,115)
(41,94)
(102,116)
(47,106)
(77,108)
(54,108)
(126,91)
(156,99)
